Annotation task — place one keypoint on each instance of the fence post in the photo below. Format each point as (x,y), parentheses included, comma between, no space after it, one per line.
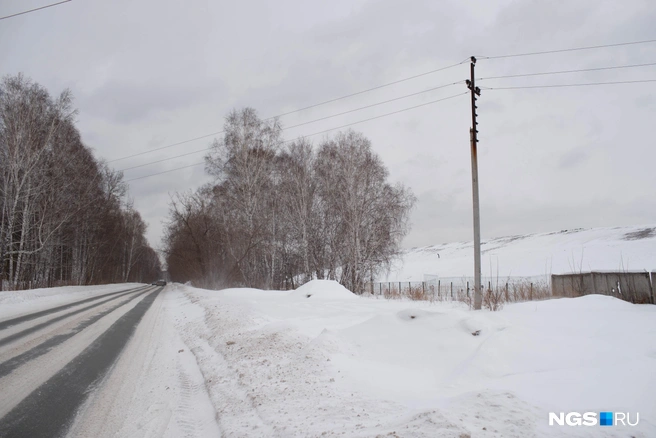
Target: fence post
(399,288)
(506,292)
(438,288)
(531,296)
(389,287)
(423,287)
(452,289)
(380,288)
(467,289)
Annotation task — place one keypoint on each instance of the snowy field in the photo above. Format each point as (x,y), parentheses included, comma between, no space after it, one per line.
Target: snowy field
(320,361)
(534,255)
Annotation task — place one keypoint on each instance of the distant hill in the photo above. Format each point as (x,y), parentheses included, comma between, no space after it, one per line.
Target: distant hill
(534,255)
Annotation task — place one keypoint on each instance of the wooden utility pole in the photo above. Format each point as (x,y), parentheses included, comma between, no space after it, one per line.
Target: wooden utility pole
(475,91)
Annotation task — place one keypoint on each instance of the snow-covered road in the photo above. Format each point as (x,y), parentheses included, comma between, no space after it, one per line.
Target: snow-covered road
(108,364)
(316,362)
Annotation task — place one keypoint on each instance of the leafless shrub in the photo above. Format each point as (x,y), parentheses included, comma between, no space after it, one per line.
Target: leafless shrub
(466,299)
(418,293)
(392,293)
(526,290)
(493,299)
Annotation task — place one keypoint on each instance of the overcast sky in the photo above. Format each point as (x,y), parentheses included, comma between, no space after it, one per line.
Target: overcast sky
(149,73)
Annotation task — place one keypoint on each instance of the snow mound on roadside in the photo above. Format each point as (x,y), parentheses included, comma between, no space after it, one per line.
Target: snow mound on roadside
(323,290)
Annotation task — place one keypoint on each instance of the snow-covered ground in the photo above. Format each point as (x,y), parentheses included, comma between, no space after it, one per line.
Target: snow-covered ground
(320,361)
(534,255)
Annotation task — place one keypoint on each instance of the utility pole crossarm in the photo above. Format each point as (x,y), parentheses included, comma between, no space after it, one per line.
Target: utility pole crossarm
(473,138)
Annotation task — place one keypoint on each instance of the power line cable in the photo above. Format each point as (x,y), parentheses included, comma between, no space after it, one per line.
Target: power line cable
(377,117)
(393,83)
(322,132)
(297,110)
(570,85)
(166,159)
(376,104)
(374,88)
(166,171)
(566,71)
(32,10)
(307,123)
(165,147)
(544,52)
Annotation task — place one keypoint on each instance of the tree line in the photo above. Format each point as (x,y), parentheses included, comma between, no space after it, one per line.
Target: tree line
(66,218)
(279,214)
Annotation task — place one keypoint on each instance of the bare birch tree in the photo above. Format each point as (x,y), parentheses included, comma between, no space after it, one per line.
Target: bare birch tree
(57,218)
(280,217)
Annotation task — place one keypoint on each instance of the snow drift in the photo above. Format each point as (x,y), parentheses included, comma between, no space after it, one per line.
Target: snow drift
(361,366)
(322,290)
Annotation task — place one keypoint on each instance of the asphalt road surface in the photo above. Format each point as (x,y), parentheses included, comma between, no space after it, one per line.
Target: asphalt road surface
(52,360)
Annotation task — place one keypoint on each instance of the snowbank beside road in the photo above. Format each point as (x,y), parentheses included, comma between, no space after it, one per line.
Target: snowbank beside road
(322,290)
(361,367)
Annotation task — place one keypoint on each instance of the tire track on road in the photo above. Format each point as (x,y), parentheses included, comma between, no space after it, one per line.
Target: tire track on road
(11,338)
(155,388)
(50,409)
(21,319)
(9,365)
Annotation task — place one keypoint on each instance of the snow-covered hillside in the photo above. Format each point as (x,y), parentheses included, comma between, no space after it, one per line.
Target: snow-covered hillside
(534,255)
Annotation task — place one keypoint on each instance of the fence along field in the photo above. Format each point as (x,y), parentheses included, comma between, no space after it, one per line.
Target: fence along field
(635,287)
(496,290)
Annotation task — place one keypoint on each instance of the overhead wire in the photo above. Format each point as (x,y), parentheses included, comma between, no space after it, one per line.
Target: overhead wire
(570,85)
(428,103)
(425,91)
(309,122)
(33,10)
(573,49)
(378,117)
(393,83)
(166,171)
(375,88)
(566,71)
(324,131)
(299,109)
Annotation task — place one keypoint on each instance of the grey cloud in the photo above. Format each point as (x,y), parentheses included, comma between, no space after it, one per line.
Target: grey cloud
(572,159)
(125,102)
(151,73)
